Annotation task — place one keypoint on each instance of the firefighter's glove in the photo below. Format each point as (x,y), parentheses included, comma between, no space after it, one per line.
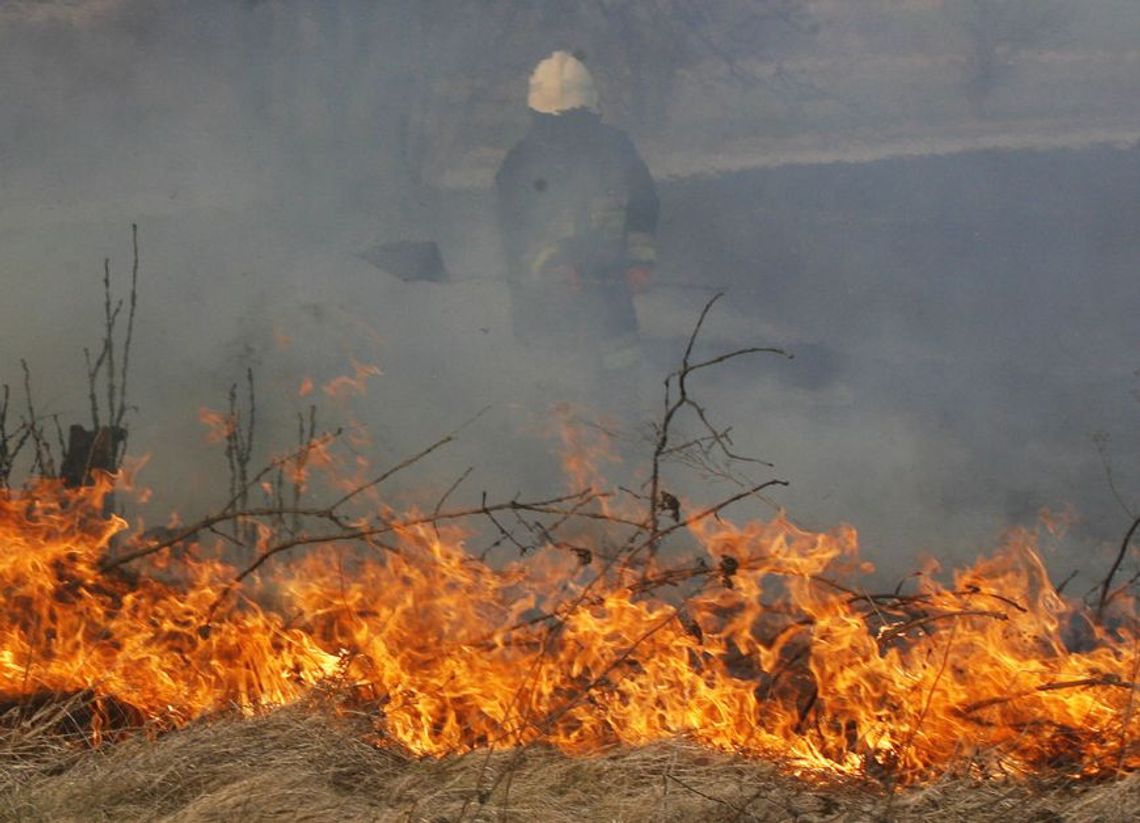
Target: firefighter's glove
(641,254)
(638,278)
(549,266)
(567,275)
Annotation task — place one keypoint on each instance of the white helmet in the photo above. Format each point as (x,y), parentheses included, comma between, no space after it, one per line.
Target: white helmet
(561,83)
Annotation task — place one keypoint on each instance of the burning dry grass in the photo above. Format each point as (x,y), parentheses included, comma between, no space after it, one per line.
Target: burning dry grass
(437,653)
(302,764)
(758,680)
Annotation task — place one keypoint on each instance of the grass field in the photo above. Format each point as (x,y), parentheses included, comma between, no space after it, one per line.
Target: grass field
(300,764)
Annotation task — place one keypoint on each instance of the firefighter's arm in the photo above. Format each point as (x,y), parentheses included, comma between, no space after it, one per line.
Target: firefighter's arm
(641,258)
(550,264)
(641,225)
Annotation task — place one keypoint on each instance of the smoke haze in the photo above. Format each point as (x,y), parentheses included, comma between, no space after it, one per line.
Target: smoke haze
(944,233)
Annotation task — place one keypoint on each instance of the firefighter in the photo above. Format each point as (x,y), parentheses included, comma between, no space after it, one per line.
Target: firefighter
(577,213)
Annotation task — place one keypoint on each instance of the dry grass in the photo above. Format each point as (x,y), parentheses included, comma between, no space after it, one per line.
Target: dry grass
(303,765)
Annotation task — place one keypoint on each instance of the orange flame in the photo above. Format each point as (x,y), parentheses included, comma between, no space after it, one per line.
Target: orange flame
(219,425)
(768,645)
(347,385)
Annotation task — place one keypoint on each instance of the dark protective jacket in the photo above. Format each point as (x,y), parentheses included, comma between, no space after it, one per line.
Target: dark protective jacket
(577,209)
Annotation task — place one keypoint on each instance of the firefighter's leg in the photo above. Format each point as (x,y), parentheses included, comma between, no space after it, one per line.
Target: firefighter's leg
(623,383)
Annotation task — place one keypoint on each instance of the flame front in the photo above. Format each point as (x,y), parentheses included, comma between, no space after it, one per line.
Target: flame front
(769,646)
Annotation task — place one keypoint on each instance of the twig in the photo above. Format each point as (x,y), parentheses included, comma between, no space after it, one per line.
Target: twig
(504,533)
(1102,602)
(602,516)
(552,717)
(673,406)
(109,318)
(1085,682)
(929,696)
(1128,707)
(737,353)
(403,464)
(670,412)
(1100,442)
(239,452)
(306,444)
(895,597)
(455,485)
(387,527)
(738,811)
(759,795)
(656,536)
(901,630)
(43,461)
(1122,588)
(118,413)
(527,684)
(228,512)
(92,373)
(10,442)
(1060,587)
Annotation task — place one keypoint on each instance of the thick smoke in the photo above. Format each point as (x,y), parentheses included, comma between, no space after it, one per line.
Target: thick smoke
(933,207)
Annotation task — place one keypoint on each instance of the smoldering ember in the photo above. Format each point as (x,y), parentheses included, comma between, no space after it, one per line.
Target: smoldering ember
(626,410)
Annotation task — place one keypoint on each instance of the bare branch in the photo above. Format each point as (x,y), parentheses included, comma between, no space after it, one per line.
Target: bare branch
(1103,600)
(43,461)
(403,464)
(121,409)
(1083,683)
(673,405)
